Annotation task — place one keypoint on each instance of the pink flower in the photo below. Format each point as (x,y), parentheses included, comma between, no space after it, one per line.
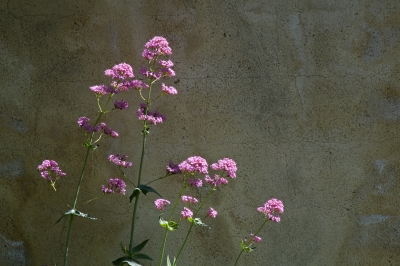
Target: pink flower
(212,213)
(161,203)
(195,182)
(49,170)
(137,84)
(194,164)
(227,165)
(100,89)
(120,159)
(256,239)
(108,130)
(216,181)
(173,169)
(121,71)
(166,64)
(151,117)
(115,185)
(186,213)
(189,199)
(121,105)
(271,209)
(168,90)
(83,122)
(156,47)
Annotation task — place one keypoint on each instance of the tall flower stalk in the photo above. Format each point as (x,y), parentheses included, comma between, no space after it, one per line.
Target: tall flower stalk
(271,210)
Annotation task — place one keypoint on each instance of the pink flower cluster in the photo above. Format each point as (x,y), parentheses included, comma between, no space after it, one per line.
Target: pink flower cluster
(161,203)
(256,239)
(121,105)
(108,130)
(168,90)
(195,182)
(115,185)
(212,213)
(120,159)
(102,89)
(189,199)
(194,164)
(186,213)
(49,170)
(121,71)
(151,117)
(227,165)
(271,209)
(216,181)
(173,169)
(83,122)
(156,47)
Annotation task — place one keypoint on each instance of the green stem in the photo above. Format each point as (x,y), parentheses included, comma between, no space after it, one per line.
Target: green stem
(68,238)
(256,233)
(163,246)
(89,148)
(139,178)
(169,219)
(191,225)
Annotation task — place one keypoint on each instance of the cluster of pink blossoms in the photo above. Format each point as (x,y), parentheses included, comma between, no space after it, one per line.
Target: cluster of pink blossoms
(186,213)
(49,170)
(271,209)
(227,165)
(120,160)
(156,47)
(216,181)
(115,185)
(255,238)
(212,213)
(121,105)
(195,164)
(161,203)
(152,117)
(195,182)
(83,122)
(189,199)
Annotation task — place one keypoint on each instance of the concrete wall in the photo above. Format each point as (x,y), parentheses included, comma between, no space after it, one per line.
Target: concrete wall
(304,95)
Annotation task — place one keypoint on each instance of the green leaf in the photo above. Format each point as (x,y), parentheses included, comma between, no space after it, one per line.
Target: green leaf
(76,213)
(84,215)
(145,189)
(141,256)
(169,262)
(139,247)
(124,249)
(197,221)
(130,261)
(171,225)
(135,193)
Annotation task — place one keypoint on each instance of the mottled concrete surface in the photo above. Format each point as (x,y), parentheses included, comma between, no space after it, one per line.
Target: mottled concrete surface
(304,95)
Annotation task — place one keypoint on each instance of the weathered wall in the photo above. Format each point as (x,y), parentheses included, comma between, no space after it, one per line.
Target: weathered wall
(304,95)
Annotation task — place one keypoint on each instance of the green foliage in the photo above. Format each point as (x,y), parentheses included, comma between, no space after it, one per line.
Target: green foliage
(133,255)
(76,213)
(169,262)
(170,225)
(144,189)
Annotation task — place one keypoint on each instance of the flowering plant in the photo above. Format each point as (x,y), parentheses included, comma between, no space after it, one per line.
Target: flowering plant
(194,170)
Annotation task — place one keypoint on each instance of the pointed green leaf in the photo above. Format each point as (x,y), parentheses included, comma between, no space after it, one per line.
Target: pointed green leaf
(139,247)
(70,212)
(168,262)
(123,249)
(141,256)
(171,225)
(84,215)
(197,221)
(145,189)
(135,193)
